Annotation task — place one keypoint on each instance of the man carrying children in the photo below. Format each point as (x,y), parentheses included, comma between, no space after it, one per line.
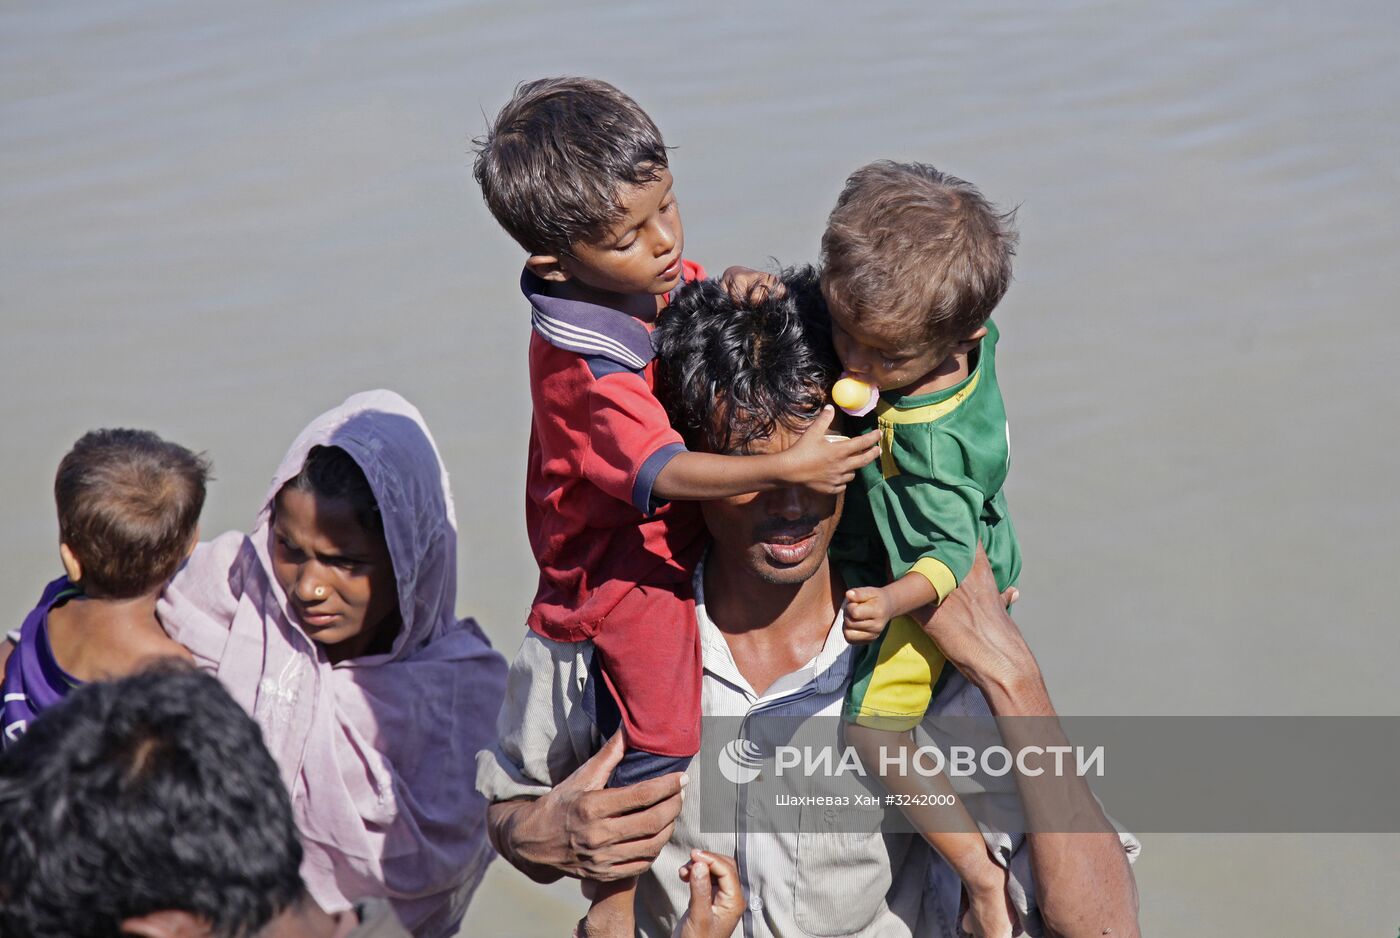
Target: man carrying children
(579,176)
(750,377)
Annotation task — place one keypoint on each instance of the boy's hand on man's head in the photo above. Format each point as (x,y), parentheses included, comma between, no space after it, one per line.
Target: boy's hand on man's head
(716,898)
(828,465)
(867,613)
(744,283)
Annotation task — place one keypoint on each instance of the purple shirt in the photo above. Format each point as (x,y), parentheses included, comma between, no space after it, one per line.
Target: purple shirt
(33,680)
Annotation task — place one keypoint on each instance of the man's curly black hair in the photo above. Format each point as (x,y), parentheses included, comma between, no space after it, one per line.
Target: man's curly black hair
(154,792)
(731,372)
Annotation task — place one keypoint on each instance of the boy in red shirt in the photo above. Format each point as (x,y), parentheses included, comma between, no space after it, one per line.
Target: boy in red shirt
(578,174)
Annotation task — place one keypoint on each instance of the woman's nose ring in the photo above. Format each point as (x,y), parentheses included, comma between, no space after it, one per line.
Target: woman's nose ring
(320,592)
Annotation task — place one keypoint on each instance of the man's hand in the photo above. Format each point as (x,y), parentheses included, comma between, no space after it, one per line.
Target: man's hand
(827,465)
(868,611)
(715,907)
(974,632)
(745,284)
(584,830)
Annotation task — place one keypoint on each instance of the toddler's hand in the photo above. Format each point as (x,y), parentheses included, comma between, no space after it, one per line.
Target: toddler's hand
(745,282)
(867,614)
(715,908)
(828,465)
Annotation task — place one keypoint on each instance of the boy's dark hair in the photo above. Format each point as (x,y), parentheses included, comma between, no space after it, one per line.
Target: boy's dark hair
(730,372)
(151,793)
(552,162)
(909,244)
(331,472)
(128,509)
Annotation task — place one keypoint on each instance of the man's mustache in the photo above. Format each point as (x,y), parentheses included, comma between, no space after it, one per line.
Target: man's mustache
(796,528)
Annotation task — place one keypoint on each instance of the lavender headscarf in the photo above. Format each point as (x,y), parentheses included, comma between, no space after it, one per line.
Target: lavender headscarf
(379,751)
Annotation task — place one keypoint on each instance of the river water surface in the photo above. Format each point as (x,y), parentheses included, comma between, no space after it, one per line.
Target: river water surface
(217,220)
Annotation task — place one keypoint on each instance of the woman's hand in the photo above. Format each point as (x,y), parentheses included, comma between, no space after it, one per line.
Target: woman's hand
(716,898)
(585,830)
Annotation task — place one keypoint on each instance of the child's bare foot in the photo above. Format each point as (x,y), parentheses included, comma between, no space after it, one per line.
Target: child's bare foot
(594,925)
(989,912)
(610,915)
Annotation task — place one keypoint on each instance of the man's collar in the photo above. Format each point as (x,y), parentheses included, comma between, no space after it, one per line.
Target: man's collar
(830,669)
(586,328)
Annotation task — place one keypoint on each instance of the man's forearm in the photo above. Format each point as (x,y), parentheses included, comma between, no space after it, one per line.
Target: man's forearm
(1084,884)
(505,824)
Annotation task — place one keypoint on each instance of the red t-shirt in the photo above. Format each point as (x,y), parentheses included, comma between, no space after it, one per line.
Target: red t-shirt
(598,440)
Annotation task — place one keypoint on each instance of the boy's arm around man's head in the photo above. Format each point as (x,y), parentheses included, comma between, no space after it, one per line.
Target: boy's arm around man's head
(821,464)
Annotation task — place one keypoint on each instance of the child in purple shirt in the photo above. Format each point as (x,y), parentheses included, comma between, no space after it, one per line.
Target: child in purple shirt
(128,516)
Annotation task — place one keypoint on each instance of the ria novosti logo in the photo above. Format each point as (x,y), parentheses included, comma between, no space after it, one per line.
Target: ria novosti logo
(741,761)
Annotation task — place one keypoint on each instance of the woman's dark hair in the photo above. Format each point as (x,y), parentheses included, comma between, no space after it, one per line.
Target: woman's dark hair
(330,472)
(730,372)
(154,792)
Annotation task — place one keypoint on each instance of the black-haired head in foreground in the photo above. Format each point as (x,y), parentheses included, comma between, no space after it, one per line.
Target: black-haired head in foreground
(731,372)
(151,793)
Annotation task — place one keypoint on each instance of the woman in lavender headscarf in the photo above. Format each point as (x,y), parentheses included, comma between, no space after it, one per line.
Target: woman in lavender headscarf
(333,624)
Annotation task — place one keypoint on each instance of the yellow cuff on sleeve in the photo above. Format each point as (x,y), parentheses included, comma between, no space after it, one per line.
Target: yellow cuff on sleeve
(938,575)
